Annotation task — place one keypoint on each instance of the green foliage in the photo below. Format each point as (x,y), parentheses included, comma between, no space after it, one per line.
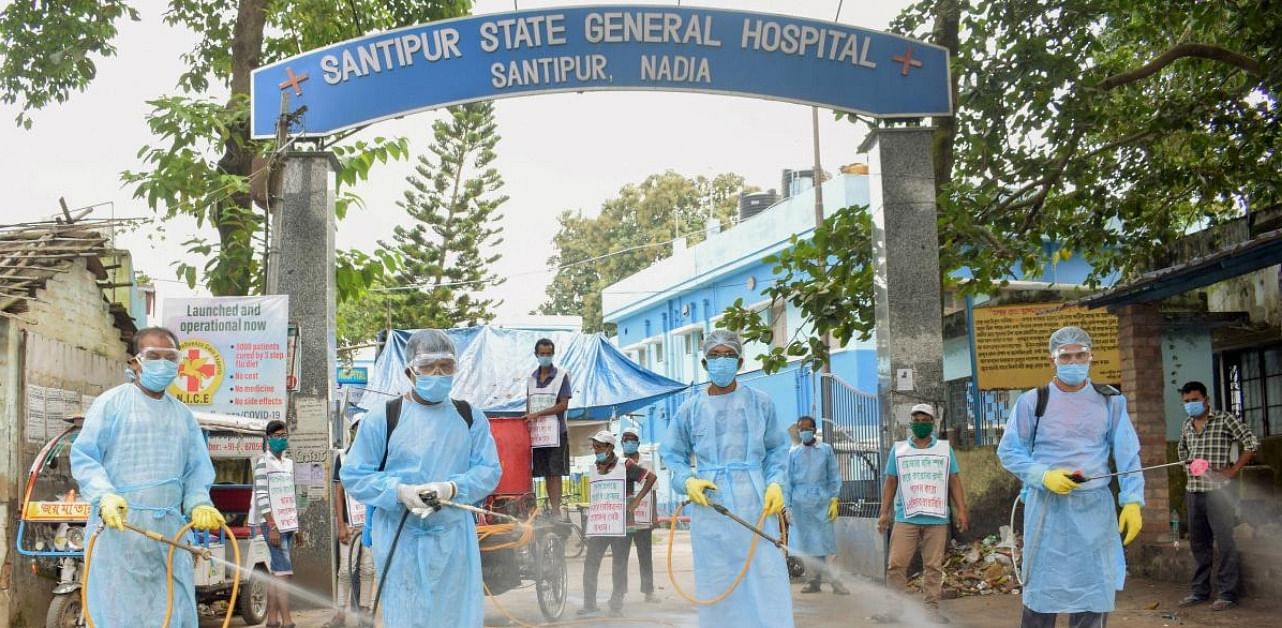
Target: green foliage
(1108,127)
(47,52)
(201,163)
(634,229)
(440,263)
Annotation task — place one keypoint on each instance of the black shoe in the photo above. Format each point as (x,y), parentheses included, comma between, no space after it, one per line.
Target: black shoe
(813,587)
(1193,600)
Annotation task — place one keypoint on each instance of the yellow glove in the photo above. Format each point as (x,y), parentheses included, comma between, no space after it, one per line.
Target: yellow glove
(695,488)
(113,509)
(832,509)
(1129,523)
(773,503)
(206,517)
(1058,481)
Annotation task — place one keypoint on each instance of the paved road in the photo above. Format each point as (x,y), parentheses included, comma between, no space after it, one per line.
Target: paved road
(826,609)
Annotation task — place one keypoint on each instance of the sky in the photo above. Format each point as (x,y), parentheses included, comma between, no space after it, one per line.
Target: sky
(558,152)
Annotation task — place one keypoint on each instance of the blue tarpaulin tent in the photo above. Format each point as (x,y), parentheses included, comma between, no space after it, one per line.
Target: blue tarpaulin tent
(495,364)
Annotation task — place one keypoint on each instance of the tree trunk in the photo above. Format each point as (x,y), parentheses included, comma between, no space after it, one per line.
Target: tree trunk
(235,220)
(945,33)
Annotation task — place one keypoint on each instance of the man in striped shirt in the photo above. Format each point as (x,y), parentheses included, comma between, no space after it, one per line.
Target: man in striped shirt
(1212,436)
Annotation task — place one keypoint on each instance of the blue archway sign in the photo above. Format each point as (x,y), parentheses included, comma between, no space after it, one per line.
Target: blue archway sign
(623,48)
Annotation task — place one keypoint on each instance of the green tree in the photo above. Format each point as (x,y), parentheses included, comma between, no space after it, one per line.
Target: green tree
(453,199)
(202,161)
(633,230)
(1109,127)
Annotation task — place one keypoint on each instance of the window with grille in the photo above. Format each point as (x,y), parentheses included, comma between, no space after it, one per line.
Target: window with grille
(1251,387)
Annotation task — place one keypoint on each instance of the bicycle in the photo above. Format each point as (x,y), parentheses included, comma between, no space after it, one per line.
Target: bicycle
(575,540)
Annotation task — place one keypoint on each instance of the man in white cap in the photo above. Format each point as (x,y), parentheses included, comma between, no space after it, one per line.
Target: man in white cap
(922,478)
(610,519)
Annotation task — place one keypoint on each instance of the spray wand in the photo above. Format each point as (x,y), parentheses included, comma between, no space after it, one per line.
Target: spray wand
(1197,468)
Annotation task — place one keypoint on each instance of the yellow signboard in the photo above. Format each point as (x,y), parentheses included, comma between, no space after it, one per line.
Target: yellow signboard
(57,511)
(1011,344)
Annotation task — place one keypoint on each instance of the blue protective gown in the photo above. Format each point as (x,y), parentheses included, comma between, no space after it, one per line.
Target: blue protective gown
(741,447)
(152,453)
(812,469)
(1073,560)
(435,576)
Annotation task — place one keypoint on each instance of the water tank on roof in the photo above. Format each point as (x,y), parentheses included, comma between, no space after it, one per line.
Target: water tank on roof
(752,204)
(797,181)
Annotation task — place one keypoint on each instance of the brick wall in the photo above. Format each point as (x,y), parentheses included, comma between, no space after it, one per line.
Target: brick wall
(1139,336)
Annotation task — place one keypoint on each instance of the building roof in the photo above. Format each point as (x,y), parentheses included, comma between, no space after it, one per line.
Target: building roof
(31,254)
(1229,260)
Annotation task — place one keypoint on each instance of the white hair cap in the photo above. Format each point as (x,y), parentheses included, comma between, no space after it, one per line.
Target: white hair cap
(1069,336)
(720,338)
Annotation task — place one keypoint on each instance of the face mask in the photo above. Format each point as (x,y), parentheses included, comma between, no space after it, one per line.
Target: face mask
(1195,408)
(1072,374)
(630,447)
(722,371)
(922,430)
(601,457)
(807,436)
(545,360)
(277,444)
(157,374)
(433,388)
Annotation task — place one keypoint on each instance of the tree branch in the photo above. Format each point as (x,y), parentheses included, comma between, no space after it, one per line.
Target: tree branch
(1182,51)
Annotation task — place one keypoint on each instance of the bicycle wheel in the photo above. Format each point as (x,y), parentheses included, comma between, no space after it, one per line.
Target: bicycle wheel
(575,543)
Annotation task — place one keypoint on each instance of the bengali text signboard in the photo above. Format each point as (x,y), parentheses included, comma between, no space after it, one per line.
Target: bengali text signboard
(622,48)
(1011,347)
(233,354)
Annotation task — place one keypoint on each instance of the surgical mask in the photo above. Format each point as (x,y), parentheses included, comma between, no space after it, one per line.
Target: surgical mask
(630,447)
(433,388)
(602,456)
(922,430)
(157,374)
(807,436)
(277,444)
(545,360)
(1195,408)
(722,370)
(1072,374)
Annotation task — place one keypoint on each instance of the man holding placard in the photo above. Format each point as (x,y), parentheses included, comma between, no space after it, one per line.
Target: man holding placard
(643,516)
(547,397)
(610,520)
(275,510)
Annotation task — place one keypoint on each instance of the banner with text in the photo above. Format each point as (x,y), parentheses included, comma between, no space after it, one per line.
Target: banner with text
(1011,348)
(639,48)
(233,354)
(608,502)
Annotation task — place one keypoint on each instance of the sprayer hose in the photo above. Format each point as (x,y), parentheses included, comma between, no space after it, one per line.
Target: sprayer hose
(169,577)
(747,562)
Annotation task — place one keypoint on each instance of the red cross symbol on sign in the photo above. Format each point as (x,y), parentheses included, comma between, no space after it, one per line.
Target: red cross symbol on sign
(906,59)
(294,80)
(199,365)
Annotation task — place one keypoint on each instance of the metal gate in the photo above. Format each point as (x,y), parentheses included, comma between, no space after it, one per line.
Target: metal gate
(854,431)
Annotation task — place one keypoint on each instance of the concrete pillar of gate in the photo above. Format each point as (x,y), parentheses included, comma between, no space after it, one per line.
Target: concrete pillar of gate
(906,285)
(1139,339)
(301,265)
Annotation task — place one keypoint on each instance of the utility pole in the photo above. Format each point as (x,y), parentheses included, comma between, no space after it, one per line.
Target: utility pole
(825,386)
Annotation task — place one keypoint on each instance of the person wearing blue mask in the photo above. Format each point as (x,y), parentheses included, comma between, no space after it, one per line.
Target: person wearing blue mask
(275,513)
(611,481)
(644,516)
(141,459)
(1073,559)
(424,443)
(1213,436)
(742,451)
(813,497)
(547,398)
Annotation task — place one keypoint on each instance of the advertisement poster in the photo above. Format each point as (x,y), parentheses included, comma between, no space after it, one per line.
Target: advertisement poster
(233,354)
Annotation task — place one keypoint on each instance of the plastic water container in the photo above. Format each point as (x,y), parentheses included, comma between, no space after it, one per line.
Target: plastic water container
(512,437)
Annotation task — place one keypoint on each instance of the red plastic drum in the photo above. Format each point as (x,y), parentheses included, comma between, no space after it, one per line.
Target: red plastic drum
(512,437)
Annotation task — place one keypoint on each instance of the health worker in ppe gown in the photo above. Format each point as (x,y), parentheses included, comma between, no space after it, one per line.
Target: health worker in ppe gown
(1073,533)
(141,459)
(813,499)
(433,448)
(741,451)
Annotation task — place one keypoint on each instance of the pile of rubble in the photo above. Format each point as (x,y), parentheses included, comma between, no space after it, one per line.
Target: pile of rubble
(982,567)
